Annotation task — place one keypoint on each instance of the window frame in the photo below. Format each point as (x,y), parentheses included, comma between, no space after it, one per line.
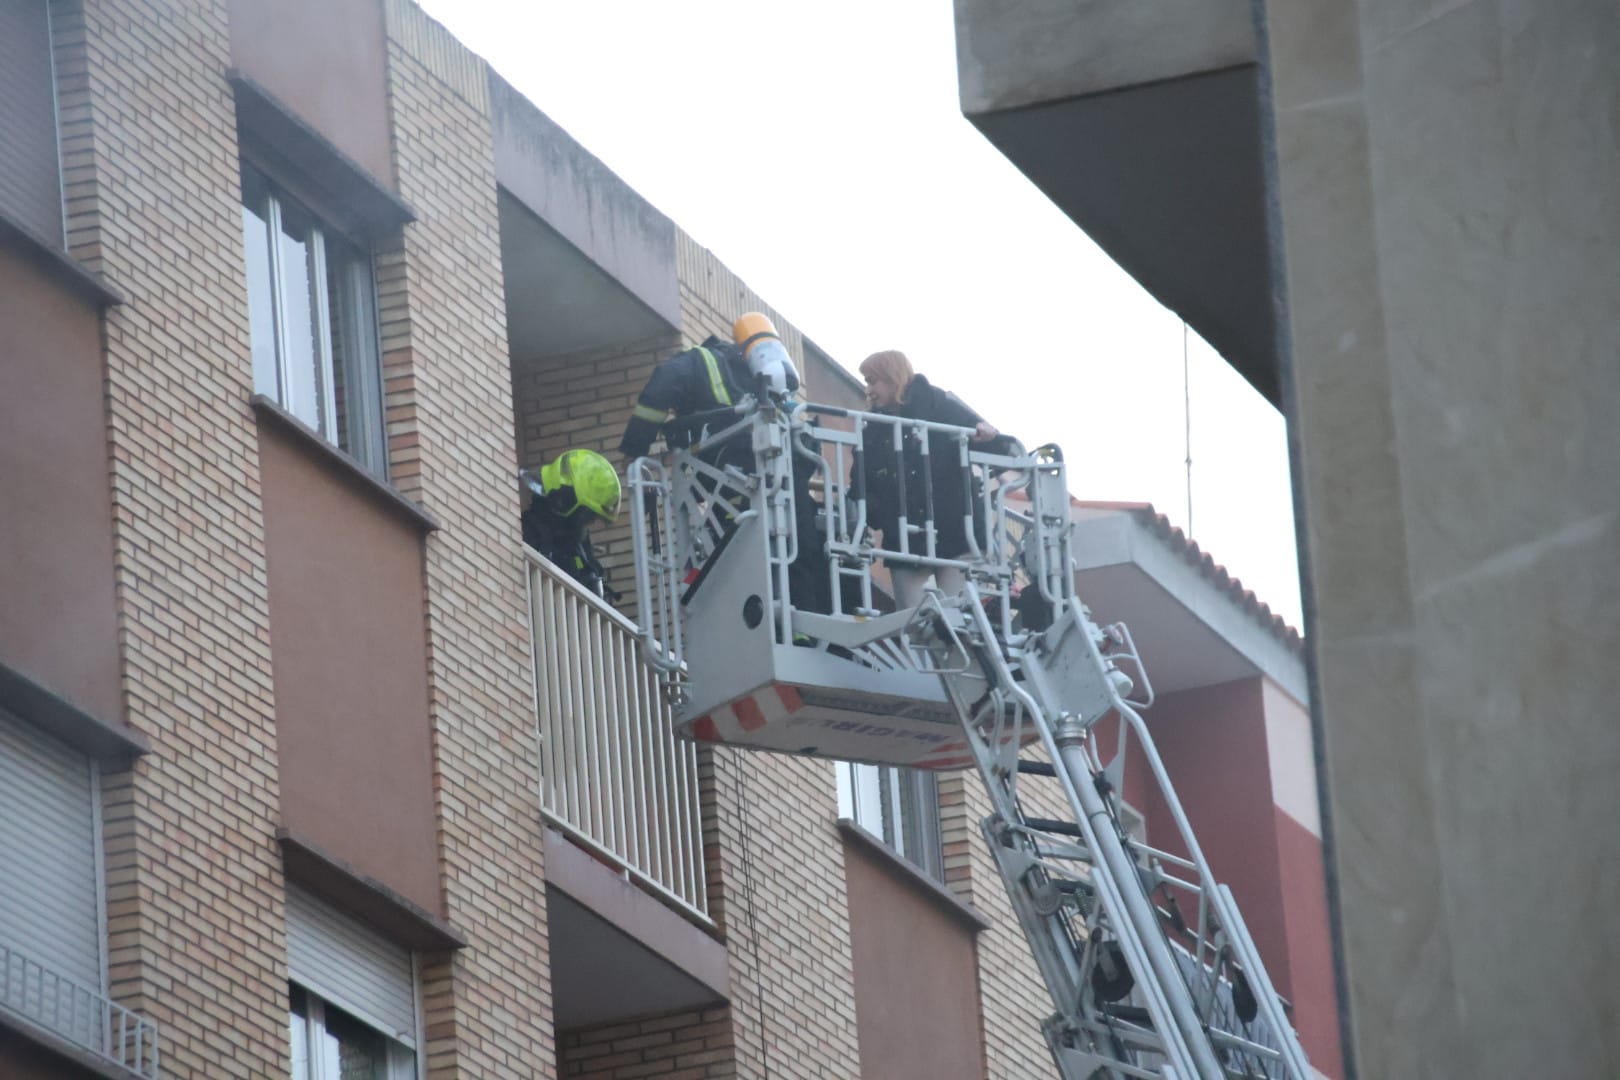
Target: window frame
(906,817)
(404,1063)
(359,370)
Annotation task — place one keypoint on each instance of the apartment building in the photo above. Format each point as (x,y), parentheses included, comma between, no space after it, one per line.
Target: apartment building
(307,766)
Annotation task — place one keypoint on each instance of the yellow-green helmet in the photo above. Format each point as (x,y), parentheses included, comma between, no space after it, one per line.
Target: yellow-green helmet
(590,477)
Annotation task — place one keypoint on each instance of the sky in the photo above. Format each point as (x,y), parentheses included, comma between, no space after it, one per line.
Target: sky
(820,151)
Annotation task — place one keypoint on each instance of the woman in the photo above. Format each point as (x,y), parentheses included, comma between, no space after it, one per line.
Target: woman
(892,388)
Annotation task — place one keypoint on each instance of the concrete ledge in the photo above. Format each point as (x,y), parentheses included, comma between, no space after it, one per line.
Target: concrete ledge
(58,264)
(1011,53)
(574,871)
(1126,538)
(857,837)
(1146,124)
(586,203)
(312,167)
(366,898)
(109,743)
(618,951)
(53,1051)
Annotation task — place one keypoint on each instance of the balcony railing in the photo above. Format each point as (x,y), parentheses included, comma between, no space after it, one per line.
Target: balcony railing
(76,1014)
(614,776)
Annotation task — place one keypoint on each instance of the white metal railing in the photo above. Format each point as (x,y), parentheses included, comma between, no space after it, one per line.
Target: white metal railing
(613,775)
(78,1014)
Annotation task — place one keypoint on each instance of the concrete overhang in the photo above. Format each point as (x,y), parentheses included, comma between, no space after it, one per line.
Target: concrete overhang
(557,299)
(1142,122)
(587,261)
(1188,624)
(616,951)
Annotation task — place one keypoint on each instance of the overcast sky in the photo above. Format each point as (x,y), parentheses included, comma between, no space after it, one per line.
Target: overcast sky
(818,148)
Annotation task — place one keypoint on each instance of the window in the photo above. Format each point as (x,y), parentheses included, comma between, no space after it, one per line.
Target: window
(329,1044)
(901,806)
(30,174)
(352,1012)
(51,959)
(313,317)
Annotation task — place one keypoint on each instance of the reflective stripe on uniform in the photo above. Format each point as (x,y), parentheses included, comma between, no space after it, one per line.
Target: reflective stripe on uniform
(647,412)
(717,385)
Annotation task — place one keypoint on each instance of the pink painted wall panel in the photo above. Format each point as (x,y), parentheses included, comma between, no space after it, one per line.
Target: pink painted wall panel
(1310,950)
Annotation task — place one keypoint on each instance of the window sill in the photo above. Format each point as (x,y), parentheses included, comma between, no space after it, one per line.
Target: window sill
(90,1063)
(111,744)
(310,438)
(59,264)
(366,898)
(903,869)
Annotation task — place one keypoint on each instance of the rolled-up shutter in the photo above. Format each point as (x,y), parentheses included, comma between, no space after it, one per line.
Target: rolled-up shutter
(49,904)
(30,170)
(351,966)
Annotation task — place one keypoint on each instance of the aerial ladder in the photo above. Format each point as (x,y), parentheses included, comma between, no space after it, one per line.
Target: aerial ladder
(1150,968)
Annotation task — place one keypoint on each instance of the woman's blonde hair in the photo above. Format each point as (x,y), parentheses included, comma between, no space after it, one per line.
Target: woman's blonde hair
(892,363)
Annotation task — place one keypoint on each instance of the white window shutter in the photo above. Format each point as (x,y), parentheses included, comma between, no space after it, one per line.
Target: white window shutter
(350,965)
(49,904)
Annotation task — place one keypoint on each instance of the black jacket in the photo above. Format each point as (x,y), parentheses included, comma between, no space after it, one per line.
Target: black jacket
(688,382)
(924,401)
(562,538)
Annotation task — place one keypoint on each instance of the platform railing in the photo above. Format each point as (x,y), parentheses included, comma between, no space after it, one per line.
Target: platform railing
(613,775)
(758,460)
(80,1015)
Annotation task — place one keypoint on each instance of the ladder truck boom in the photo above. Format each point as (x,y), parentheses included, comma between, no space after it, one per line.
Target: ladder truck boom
(1150,968)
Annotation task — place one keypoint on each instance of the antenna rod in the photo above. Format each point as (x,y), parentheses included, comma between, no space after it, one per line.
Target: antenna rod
(1186,412)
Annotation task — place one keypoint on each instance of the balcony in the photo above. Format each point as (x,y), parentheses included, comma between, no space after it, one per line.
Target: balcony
(75,1020)
(592,304)
(614,779)
(626,885)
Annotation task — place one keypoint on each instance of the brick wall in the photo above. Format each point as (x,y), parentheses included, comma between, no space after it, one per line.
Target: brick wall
(692,1045)
(1013,997)
(195,919)
(777,891)
(488,1008)
(582,400)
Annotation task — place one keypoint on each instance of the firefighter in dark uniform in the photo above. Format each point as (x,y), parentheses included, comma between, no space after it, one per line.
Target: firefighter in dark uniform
(578,490)
(699,381)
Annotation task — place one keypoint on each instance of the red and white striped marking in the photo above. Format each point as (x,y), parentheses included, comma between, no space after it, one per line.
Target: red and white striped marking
(775,702)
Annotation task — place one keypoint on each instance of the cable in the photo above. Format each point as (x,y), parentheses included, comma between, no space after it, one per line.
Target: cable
(1186,412)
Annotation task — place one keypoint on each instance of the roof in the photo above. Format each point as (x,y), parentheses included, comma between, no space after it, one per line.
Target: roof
(1212,571)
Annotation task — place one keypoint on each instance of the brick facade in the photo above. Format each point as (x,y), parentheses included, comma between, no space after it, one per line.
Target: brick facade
(196,922)
(194,891)
(693,1045)
(487,1008)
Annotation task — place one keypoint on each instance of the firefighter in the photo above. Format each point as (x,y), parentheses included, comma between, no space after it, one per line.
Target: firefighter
(691,385)
(682,397)
(578,490)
